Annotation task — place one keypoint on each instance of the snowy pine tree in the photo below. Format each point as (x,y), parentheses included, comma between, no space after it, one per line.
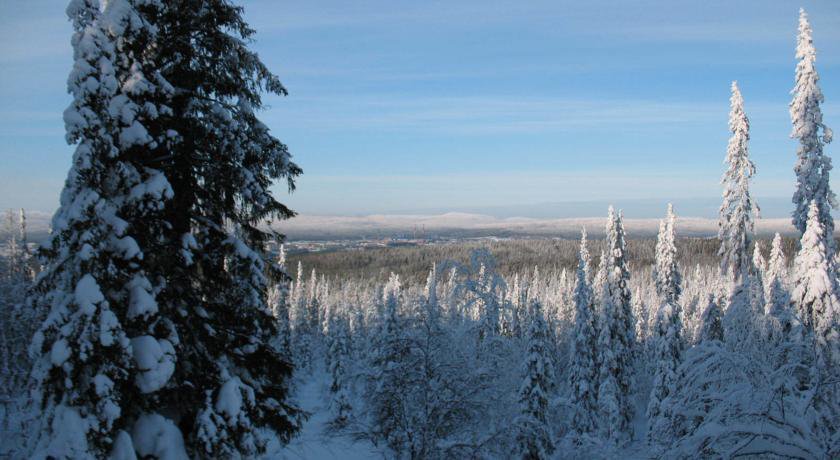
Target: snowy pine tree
(668,339)
(741,317)
(533,438)
(616,339)
(815,290)
(156,246)
(339,367)
(666,274)
(777,305)
(812,164)
(777,265)
(711,325)
(738,207)
(278,301)
(104,347)
(583,367)
(231,385)
(668,350)
(388,377)
(758,262)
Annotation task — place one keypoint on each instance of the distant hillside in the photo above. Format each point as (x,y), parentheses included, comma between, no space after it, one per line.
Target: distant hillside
(311,227)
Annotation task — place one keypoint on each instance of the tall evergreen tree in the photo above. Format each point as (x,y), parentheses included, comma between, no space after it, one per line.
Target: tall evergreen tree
(812,164)
(104,346)
(815,291)
(339,367)
(666,274)
(157,240)
(533,437)
(667,334)
(758,262)
(711,326)
(388,378)
(583,366)
(738,207)
(777,305)
(221,163)
(278,301)
(616,339)
(777,265)
(741,315)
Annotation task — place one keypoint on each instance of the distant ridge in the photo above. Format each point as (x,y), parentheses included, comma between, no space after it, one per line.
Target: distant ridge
(458,224)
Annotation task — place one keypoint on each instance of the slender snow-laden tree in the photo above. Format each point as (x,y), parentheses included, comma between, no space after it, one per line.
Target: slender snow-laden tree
(616,337)
(815,290)
(666,274)
(777,304)
(516,304)
(668,339)
(105,347)
(736,211)
(758,262)
(668,350)
(278,301)
(777,265)
(387,380)
(711,325)
(812,164)
(230,387)
(741,317)
(340,349)
(583,366)
(533,436)
(599,281)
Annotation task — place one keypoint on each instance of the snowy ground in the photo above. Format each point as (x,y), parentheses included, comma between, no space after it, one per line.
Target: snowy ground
(313,443)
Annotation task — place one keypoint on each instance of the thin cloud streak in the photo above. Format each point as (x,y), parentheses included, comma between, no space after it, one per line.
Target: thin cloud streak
(511,114)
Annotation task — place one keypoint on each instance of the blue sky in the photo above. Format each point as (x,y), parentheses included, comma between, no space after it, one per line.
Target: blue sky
(404,106)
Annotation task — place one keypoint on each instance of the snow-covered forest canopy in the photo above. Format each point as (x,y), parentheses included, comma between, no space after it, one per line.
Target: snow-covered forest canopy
(161,318)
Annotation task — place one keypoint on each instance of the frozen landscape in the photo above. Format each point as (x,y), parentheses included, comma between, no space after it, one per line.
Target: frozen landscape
(427,296)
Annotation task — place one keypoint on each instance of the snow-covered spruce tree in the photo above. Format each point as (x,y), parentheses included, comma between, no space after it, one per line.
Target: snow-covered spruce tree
(666,274)
(668,349)
(533,437)
(516,305)
(485,288)
(387,379)
(668,339)
(711,325)
(160,214)
(599,282)
(297,302)
(778,314)
(339,367)
(298,319)
(16,329)
(19,323)
(777,265)
(758,261)
(278,301)
(738,207)
(583,366)
(616,338)
(313,304)
(741,318)
(106,347)
(812,164)
(815,290)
